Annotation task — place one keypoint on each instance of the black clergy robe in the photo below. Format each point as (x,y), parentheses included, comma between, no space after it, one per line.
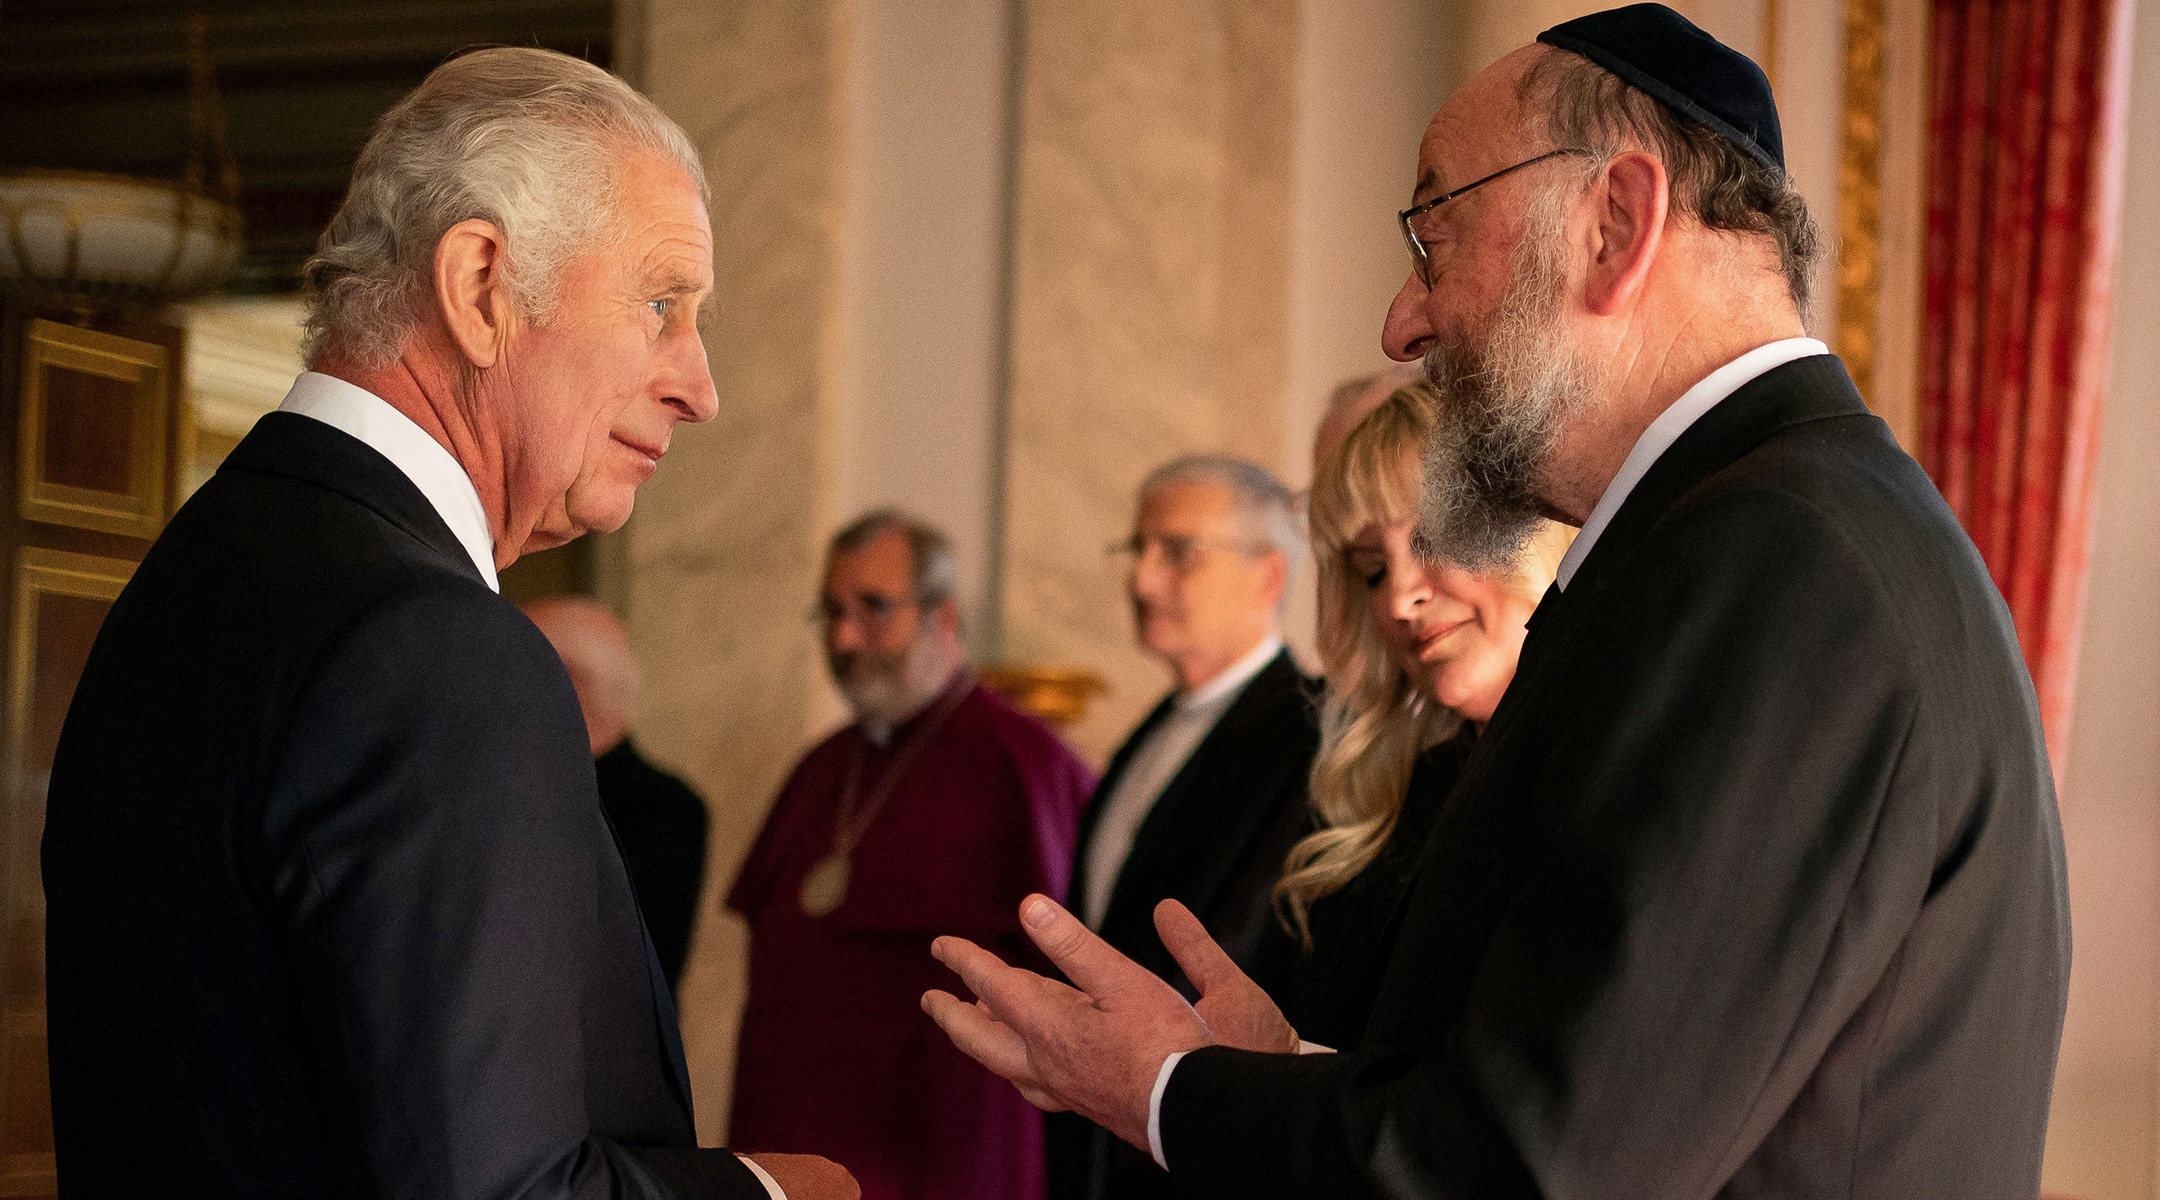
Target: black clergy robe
(1753,886)
(660,825)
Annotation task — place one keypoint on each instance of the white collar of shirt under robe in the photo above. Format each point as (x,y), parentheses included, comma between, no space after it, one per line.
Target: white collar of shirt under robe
(1670,424)
(1654,442)
(1153,764)
(422,459)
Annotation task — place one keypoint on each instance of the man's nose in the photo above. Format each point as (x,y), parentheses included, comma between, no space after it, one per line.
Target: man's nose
(1407,333)
(689,383)
(843,634)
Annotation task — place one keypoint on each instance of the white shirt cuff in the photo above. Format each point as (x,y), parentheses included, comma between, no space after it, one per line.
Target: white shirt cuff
(772,1186)
(1305,1047)
(1154,1107)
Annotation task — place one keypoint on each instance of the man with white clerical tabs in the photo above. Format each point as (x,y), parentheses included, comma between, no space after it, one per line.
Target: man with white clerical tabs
(1204,800)
(332,907)
(1753,885)
(939,808)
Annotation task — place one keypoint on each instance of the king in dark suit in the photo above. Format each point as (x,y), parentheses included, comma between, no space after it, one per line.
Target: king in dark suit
(332,907)
(1753,886)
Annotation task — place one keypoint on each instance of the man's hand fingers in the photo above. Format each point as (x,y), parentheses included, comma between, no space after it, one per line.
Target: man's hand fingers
(1013,994)
(982,1037)
(1203,961)
(1087,960)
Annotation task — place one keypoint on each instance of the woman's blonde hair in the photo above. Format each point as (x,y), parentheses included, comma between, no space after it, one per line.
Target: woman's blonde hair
(1374,722)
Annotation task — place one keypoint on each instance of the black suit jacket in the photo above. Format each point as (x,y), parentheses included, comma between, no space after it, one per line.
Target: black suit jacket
(1328,990)
(1214,840)
(1753,886)
(660,824)
(332,909)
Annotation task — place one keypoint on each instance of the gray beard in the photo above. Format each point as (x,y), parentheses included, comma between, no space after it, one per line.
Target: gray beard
(883,692)
(1504,407)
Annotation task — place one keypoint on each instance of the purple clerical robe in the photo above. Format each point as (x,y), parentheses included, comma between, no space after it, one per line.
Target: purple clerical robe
(836,1056)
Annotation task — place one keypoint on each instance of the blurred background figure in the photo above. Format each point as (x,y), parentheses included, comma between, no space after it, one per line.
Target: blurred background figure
(1417,657)
(1204,798)
(939,808)
(658,820)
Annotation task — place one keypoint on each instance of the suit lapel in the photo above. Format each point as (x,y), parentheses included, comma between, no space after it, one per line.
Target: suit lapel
(313,452)
(1076,894)
(1202,821)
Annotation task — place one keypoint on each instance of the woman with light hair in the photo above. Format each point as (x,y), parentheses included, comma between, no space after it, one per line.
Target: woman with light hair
(1417,656)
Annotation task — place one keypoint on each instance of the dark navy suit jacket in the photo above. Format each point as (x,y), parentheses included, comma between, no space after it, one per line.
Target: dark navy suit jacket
(332,908)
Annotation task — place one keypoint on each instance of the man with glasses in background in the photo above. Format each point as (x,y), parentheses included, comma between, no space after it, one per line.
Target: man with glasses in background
(1203,802)
(940,807)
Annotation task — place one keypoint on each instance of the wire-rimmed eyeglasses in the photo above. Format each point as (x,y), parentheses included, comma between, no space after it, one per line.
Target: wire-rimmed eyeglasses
(1181,554)
(1420,260)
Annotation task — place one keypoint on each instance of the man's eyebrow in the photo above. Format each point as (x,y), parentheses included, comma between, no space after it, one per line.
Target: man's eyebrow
(1428,183)
(675,283)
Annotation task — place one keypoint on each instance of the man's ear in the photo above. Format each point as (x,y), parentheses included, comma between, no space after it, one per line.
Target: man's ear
(948,616)
(1632,202)
(1276,579)
(470,289)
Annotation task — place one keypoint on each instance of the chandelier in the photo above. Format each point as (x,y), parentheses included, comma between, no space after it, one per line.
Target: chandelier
(81,237)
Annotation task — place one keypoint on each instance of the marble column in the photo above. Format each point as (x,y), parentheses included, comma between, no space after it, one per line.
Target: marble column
(722,557)
(1150,293)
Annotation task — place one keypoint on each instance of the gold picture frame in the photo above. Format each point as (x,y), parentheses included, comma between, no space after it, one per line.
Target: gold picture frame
(132,502)
(27,1167)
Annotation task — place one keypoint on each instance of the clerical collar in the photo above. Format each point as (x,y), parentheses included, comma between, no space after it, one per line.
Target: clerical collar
(1235,676)
(881,734)
(378,424)
(1670,424)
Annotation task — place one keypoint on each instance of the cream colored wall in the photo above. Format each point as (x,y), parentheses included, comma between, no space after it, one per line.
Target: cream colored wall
(2104,1133)
(722,553)
(1370,74)
(922,225)
(1149,298)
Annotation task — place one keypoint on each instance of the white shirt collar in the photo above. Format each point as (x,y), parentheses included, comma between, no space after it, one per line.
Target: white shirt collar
(422,459)
(1668,427)
(1233,677)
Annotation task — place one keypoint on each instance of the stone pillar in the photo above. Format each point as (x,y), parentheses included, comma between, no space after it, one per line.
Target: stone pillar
(1150,287)
(723,550)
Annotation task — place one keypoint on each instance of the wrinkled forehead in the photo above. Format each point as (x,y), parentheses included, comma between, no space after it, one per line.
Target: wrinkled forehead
(884,564)
(1482,128)
(1192,508)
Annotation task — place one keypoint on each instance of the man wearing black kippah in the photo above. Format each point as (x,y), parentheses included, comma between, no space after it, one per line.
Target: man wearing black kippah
(1753,886)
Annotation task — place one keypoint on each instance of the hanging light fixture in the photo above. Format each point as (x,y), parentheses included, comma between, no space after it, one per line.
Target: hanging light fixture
(82,237)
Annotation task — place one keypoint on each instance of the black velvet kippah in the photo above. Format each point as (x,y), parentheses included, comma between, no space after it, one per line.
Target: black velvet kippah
(1664,54)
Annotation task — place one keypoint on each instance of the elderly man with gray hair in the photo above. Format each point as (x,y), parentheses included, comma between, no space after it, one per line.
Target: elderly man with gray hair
(1203,802)
(333,909)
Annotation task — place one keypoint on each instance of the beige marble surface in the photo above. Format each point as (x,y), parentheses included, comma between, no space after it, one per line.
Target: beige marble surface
(1150,289)
(723,549)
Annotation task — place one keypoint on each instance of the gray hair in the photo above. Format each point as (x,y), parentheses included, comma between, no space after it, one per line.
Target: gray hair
(932,563)
(529,140)
(1266,511)
(1711,179)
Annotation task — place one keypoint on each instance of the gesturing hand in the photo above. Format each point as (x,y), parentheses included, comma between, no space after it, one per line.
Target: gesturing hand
(1236,1010)
(1095,1049)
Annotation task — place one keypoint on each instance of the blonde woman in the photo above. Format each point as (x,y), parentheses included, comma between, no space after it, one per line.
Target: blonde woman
(1416,656)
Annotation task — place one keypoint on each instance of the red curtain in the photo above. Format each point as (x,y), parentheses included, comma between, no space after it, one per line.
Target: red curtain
(2026,109)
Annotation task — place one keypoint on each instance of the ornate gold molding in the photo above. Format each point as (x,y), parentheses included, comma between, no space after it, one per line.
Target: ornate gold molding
(132,417)
(1859,273)
(1059,695)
